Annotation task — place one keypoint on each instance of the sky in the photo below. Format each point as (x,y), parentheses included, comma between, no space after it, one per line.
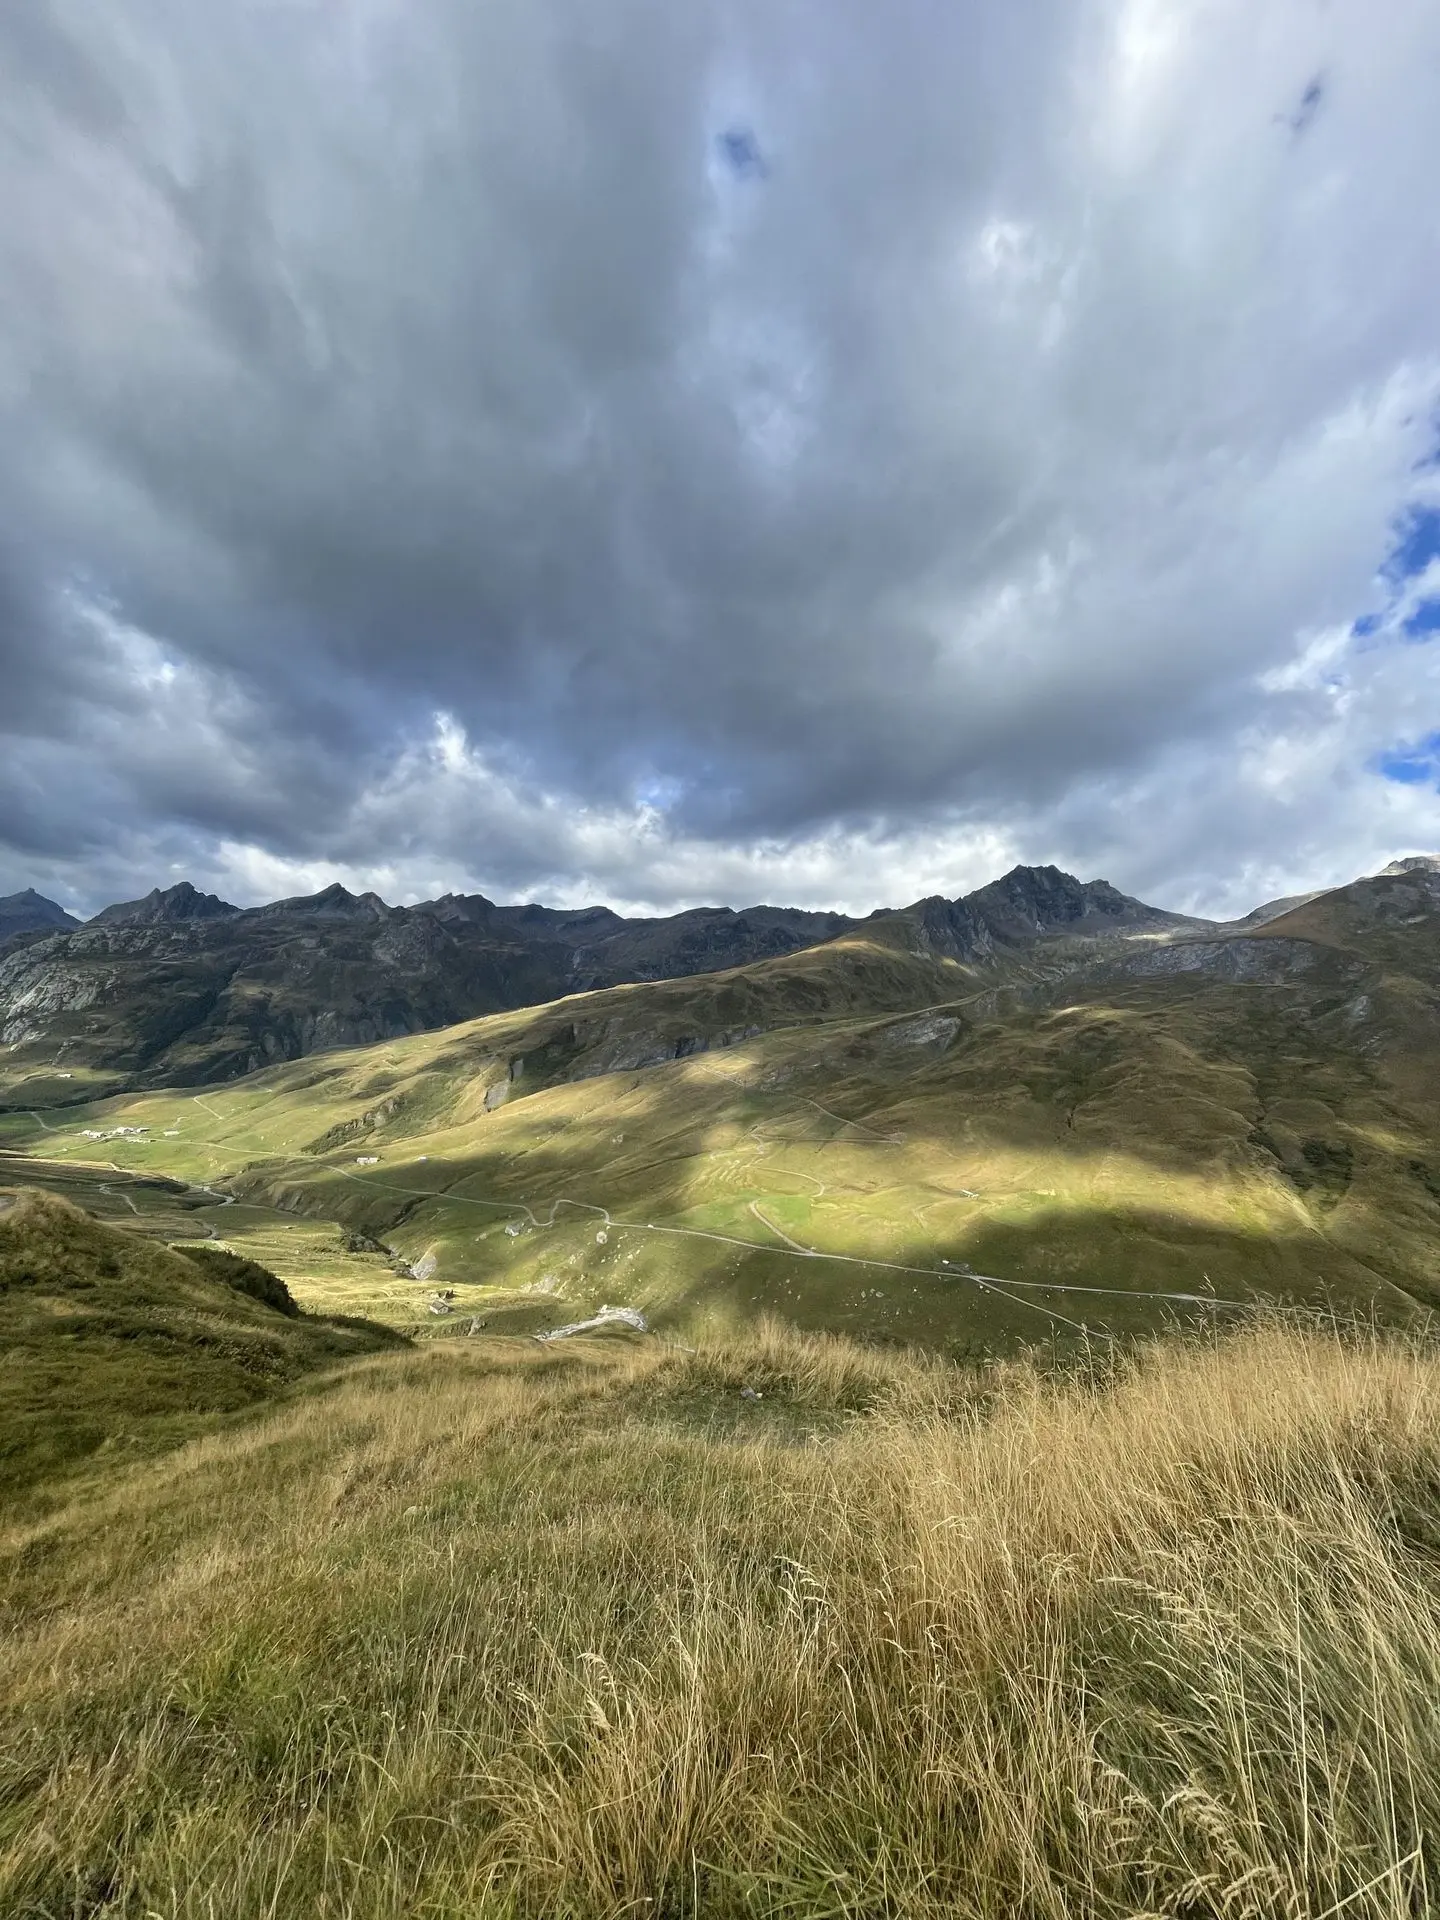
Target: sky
(800,451)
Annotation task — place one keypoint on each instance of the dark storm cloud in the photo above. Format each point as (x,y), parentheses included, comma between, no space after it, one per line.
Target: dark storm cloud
(741,427)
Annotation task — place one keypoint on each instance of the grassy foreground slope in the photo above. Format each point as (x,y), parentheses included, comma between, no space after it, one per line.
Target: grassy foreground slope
(567,1632)
(864,1137)
(112,1347)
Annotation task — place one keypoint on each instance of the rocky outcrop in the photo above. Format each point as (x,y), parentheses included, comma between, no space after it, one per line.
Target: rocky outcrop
(38,985)
(1272,961)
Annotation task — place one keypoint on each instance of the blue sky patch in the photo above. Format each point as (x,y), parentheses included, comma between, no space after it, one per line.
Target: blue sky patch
(1411,766)
(1417,544)
(659,791)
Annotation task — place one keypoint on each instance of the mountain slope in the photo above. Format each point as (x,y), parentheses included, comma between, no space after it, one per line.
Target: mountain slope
(201,996)
(1271,910)
(111,1341)
(1390,916)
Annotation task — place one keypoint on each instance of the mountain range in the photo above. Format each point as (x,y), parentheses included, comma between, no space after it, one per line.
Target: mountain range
(183,988)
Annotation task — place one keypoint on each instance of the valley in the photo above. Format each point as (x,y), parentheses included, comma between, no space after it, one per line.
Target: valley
(1084,1136)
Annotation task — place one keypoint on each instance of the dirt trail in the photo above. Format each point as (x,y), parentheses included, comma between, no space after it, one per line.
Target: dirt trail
(765,1221)
(105,1187)
(885,1139)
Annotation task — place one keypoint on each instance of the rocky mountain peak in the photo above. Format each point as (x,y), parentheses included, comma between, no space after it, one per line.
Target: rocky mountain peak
(1033,900)
(166,906)
(1029,903)
(31,912)
(331,903)
(457,908)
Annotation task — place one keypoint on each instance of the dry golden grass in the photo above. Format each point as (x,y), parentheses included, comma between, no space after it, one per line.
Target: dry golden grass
(583,1633)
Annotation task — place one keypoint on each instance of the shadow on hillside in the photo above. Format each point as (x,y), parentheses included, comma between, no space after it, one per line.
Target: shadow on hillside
(1107,1162)
(1221,1147)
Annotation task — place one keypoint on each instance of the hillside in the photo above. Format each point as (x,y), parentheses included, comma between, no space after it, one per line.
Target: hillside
(1378,916)
(114,1346)
(183,989)
(1098,1135)
(523,1631)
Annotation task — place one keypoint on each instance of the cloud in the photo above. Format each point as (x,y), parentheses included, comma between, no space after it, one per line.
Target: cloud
(791,451)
